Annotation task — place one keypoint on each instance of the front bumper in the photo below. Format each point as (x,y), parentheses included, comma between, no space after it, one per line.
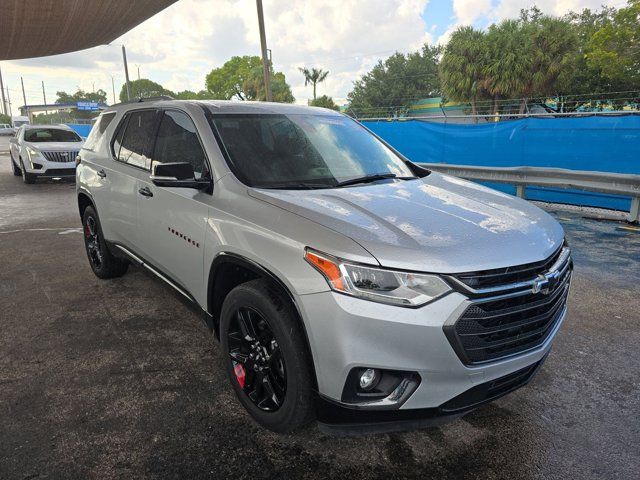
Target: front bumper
(43,168)
(345,332)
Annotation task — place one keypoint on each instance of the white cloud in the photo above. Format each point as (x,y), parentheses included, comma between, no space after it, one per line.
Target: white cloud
(180,45)
(468,11)
(511,8)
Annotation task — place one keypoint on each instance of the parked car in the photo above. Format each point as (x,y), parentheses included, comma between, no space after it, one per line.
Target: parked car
(345,283)
(6,129)
(47,151)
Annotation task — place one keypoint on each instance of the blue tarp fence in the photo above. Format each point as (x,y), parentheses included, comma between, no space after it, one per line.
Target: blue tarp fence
(600,143)
(82,130)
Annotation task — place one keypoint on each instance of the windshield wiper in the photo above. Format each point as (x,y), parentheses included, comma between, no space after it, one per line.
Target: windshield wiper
(366,179)
(295,186)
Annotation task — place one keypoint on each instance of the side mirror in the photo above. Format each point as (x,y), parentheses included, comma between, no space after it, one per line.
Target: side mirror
(179,174)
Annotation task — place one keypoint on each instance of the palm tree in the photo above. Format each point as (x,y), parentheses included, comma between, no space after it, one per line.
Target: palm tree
(313,76)
(508,66)
(462,67)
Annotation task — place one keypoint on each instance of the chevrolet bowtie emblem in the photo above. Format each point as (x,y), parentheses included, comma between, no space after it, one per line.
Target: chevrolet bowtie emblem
(540,285)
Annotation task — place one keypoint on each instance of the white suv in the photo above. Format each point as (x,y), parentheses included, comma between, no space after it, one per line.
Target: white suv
(344,282)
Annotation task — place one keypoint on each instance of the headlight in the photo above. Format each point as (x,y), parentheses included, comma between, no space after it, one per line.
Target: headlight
(33,153)
(379,285)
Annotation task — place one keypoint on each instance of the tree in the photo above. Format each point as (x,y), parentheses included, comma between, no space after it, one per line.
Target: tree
(143,88)
(615,47)
(5,118)
(313,77)
(463,65)
(508,61)
(191,95)
(242,78)
(325,102)
(551,56)
(391,86)
(80,95)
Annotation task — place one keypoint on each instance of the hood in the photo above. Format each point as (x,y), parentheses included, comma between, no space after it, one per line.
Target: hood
(437,224)
(55,146)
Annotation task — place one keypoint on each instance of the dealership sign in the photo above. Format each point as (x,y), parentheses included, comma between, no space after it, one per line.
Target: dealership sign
(88,106)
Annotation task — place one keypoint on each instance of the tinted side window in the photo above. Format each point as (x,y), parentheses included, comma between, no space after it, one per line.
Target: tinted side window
(136,142)
(97,132)
(177,141)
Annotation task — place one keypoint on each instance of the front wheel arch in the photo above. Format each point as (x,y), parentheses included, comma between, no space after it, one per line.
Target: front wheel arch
(227,271)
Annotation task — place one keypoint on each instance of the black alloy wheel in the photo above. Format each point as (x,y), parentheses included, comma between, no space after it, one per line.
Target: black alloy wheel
(102,262)
(266,356)
(92,242)
(256,359)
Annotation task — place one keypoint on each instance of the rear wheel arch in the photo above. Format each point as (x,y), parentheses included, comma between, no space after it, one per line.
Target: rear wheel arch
(85,200)
(228,270)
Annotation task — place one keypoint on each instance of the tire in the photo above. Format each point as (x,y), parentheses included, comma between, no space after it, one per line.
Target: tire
(27,177)
(288,359)
(102,262)
(16,170)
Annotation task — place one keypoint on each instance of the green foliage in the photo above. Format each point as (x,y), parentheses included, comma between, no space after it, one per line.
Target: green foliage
(242,78)
(5,118)
(396,83)
(325,102)
(143,88)
(190,95)
(462,66)
(313,77)
(99,96)
(615,48)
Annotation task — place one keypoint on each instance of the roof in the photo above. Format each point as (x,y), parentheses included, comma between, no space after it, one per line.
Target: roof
(36,28)
(227,106)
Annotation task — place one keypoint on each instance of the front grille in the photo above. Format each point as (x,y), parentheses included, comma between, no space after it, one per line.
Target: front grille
(60,172)
(61,157)
(497,326)
(502,276)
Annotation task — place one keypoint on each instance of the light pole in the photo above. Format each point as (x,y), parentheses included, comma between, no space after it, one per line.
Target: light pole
(4,102)
(113,89)
(126,72)
(266,67)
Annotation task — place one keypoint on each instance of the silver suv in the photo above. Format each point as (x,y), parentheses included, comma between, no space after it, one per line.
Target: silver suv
(345,283)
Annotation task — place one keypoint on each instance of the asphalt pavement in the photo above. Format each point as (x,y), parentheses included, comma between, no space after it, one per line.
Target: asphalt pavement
(120,379)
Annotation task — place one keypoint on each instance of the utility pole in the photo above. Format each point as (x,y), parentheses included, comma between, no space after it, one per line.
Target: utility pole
(24,97)
(4,103)
(126,72)
(266,66)
(9,102)
(113,88)
(138,67)
(44,95)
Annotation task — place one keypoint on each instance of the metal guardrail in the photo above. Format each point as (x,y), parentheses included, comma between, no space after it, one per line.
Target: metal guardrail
(627,185)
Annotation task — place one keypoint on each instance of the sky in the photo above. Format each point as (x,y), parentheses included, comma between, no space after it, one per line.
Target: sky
(181,44)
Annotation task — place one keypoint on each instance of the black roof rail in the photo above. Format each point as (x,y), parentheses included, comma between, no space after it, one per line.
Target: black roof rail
(146,99)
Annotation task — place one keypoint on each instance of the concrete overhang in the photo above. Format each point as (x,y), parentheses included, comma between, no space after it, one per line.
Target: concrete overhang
(37,28)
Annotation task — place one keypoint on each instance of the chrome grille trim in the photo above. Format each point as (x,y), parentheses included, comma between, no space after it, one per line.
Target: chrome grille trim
(555,272)
(61,156)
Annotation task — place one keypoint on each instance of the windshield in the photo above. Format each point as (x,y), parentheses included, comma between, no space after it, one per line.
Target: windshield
(303,151)
(51,135)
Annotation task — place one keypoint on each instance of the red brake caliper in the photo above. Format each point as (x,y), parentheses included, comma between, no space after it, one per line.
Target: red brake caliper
(87,232)
(238,370)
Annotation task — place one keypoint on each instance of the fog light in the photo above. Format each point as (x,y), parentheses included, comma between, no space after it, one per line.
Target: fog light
(368,379)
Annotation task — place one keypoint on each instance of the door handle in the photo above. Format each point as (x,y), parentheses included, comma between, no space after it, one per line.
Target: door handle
(145,192)
(101,173)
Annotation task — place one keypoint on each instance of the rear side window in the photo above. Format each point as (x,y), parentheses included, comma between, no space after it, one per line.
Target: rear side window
(96,135)
(177,141)
(137,139)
